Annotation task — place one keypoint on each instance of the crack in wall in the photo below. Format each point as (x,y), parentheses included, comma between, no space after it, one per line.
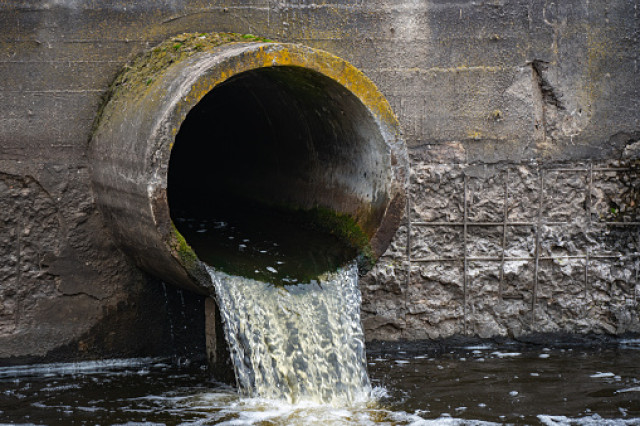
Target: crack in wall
(547,105)
(549,94)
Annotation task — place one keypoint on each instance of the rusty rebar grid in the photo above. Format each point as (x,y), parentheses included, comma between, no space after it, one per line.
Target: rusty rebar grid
(465,254)
(586,258)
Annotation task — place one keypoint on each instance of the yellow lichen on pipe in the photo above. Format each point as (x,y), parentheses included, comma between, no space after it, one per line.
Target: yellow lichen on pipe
(281,54)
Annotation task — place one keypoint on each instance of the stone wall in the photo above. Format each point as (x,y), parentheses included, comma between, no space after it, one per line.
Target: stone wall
(510,249)
(517,113)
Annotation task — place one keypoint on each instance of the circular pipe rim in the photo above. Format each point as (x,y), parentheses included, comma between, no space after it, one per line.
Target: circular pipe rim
(155,114)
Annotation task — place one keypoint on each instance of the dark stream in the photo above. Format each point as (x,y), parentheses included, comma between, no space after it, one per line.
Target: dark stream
(252,240)
(471,385)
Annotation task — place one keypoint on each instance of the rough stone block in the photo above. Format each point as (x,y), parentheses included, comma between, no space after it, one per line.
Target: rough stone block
(564,196)
(524,192)
(483,283)
(437,242)
(383,300)
(437,193)
(565,240)
(398,247)
(30,230)
(612,240)
(521,241)
(514,316)
(483,295)
(562,281)
(614,195)
(435,300)
(518,276)
(486,195)
(613,280)
(626,317)
(561,315)
(484,241)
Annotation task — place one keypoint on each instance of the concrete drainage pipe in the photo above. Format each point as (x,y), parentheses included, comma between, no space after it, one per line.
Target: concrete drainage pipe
(280,122)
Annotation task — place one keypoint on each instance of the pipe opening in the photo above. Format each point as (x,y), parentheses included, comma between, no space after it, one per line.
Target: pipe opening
(293,144)
(278,174)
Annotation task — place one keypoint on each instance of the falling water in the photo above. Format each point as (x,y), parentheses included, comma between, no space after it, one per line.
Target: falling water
(298,342)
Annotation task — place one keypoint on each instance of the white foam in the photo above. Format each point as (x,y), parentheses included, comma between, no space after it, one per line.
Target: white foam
(636,389)
(506,354)
(61,388)
(86,367)
(600,375)
(593,420)
(631,343)
(478,347)
(228,409)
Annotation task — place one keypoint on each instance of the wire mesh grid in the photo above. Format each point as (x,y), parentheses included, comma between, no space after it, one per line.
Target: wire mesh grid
(539,220)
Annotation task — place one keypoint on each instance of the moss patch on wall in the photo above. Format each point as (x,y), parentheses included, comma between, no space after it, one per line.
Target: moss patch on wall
(140,74)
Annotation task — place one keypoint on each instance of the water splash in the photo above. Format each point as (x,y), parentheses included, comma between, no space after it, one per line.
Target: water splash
(297,342)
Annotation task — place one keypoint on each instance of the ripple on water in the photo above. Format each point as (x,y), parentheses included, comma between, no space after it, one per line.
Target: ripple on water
(225,409)
(561,392)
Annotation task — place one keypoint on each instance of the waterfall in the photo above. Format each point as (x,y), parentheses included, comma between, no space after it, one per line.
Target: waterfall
(297,342)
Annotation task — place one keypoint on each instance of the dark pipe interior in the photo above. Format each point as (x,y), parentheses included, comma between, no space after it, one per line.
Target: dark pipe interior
(258,149)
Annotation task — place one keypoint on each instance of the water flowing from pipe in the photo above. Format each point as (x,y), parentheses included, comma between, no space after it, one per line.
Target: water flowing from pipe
(297,342)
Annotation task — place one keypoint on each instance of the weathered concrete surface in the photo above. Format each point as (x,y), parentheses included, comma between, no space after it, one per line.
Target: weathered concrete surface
(66,291)
(521,86)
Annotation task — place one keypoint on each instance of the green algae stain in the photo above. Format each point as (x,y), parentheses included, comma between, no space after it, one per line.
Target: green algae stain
(182,248)
(343,227)
(271,242)
(136,77)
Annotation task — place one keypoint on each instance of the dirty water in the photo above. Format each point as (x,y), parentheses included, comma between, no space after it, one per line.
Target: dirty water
(473,385)
(298,342)
(262,243)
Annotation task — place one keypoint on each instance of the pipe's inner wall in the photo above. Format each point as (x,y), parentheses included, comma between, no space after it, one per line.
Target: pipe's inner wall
(262,159)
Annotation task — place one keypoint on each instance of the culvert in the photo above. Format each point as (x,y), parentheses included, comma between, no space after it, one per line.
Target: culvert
(208,121)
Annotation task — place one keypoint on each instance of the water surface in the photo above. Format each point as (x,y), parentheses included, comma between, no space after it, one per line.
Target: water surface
(264,243)
(474,385)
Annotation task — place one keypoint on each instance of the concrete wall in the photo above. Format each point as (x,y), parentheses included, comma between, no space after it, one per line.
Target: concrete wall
(521,118)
